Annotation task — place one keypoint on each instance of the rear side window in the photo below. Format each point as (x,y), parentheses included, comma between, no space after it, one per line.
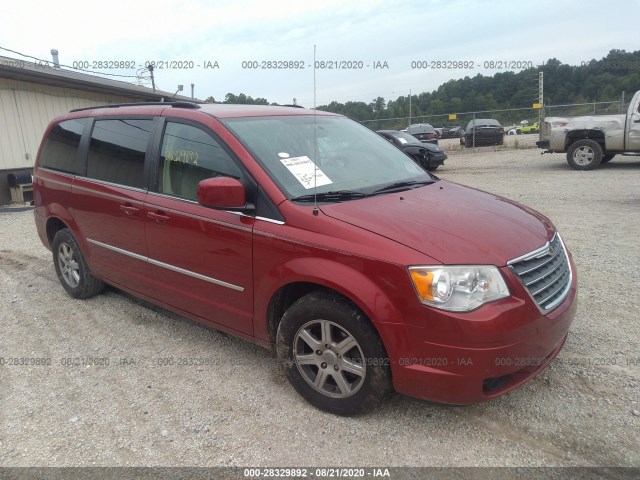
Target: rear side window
(117,151)
(60,151)
(189,155)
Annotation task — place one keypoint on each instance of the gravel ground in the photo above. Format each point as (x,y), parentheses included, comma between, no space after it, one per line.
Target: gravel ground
(582,411)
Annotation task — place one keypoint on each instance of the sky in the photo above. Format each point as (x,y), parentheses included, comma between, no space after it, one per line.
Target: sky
(398,36)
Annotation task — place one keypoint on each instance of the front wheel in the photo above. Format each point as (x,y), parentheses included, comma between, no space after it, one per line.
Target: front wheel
(585,154)
(332,355)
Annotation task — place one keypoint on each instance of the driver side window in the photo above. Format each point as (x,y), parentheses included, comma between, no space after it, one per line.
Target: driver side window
(189,155)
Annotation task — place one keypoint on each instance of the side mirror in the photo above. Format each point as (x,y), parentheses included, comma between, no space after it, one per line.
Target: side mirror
(223,193)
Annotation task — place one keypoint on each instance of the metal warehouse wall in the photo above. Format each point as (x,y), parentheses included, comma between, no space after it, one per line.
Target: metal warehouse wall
(25,111)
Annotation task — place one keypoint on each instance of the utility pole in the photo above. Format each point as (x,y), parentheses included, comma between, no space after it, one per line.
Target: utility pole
(409,109)
(153,82)
(541,98)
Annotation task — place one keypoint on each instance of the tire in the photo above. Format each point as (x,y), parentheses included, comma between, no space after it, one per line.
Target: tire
(607,157)
(585,154)
(433,168)
(348,387)
(71,267)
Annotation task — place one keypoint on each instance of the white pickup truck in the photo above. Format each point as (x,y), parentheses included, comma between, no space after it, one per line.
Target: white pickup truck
(592,140)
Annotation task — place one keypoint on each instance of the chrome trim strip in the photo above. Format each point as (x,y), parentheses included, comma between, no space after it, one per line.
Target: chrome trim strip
(195,275)
(270,220)
(563,295)
(119,250)
(171,197)
(540,265)
(111,184)
(57,182)
(167,266)
(537,253)
(57,172)
(109,195)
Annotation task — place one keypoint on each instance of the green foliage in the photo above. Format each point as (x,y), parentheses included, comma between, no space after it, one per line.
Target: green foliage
(595,80)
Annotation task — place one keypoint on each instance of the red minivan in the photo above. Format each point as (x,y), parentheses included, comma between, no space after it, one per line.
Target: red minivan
(305,231)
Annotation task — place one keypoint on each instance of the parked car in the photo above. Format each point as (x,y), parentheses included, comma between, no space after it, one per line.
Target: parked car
(423,132)
(594,139)
(306,232)
(532,128)
(427,155)
(485,131)
(452,132)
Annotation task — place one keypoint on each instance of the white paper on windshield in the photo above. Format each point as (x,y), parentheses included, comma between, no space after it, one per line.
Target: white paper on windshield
(303,169)
(402,140)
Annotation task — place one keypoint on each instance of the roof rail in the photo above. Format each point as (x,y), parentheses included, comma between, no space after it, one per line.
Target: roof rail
(179,104)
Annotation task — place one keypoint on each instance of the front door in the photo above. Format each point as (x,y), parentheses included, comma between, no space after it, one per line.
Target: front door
(201,258)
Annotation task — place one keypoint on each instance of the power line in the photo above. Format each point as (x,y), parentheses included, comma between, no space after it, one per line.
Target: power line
(68,66)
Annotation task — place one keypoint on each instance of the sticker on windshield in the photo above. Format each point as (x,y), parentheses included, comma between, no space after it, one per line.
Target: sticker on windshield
(283,155)
(402,140)
(303,169)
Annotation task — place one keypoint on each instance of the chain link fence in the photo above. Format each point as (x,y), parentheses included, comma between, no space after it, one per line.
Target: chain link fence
(521,125)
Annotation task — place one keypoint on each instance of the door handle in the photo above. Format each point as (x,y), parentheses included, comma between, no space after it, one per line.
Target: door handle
(129,209)
(159,217)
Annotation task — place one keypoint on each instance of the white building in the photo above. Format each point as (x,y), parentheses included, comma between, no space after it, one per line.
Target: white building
(31,94)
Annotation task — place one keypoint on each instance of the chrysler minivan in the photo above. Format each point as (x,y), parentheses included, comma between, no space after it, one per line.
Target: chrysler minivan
(306,232)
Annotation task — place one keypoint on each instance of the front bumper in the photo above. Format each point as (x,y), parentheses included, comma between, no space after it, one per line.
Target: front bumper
(470,358)
(544,144)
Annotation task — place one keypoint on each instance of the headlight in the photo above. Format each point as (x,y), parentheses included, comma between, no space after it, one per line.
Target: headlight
(458,289)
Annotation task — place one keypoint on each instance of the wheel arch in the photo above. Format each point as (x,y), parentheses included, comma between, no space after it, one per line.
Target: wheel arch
(575,135)
(53,225)
(363,292)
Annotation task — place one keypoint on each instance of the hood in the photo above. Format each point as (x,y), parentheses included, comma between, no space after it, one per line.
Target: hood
(450,223)
(427,146)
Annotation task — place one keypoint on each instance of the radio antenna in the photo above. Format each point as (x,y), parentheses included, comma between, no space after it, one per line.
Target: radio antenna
(315,139)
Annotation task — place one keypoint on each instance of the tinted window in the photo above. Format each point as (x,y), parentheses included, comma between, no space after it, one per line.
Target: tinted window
(189,155)
(60,151)
(117,150)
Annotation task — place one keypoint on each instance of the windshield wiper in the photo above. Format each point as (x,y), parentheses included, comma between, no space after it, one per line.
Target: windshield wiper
(400,186)
(335,196)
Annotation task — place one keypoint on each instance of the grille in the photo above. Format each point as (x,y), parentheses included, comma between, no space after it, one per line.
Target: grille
(546,273)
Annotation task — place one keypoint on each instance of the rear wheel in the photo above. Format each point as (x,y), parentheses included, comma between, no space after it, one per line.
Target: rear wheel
(71,267)
(332,355)
(585,154)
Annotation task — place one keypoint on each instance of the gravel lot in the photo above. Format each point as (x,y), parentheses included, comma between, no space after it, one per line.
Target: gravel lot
(583,410)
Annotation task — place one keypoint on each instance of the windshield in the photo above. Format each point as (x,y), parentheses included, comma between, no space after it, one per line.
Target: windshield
(483,122)
(344,155)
